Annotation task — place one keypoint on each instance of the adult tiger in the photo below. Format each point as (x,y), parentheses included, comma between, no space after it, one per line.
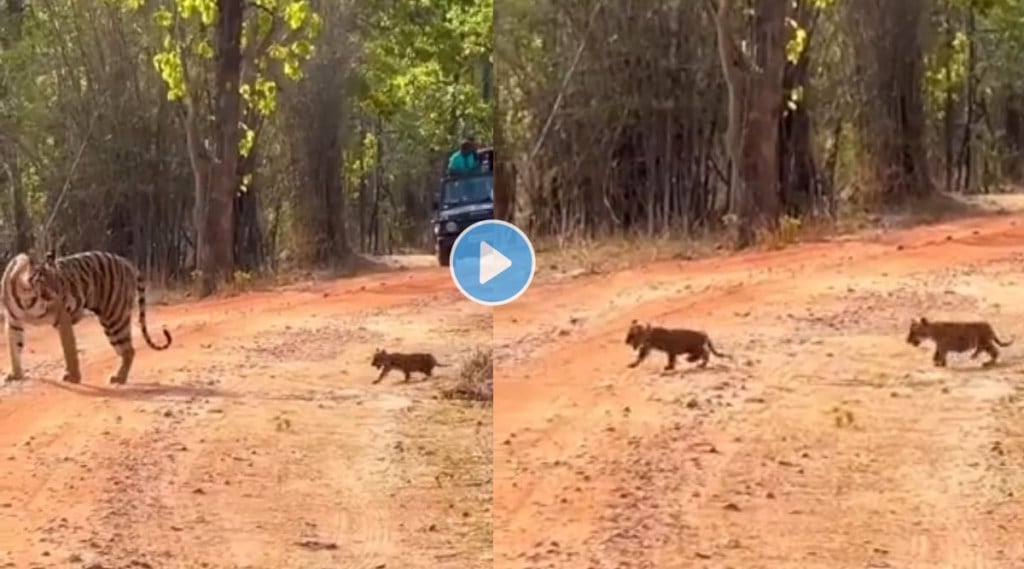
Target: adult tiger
(102,283)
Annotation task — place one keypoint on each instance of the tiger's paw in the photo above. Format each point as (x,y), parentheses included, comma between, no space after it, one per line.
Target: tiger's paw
(11,376)
(72,377)
(118,380)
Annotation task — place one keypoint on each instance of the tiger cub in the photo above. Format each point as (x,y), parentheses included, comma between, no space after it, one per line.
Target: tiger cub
(673,341)
(407,363)
(957,337)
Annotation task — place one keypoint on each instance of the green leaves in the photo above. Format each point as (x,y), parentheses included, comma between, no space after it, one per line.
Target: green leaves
(283,30)
(423,76)
(168,65)
(296,14)
(797,42)
(206,10)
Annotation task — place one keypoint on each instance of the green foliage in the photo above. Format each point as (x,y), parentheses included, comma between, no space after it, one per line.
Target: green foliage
(946,69)
(282,30)
(797,45)
(423,76)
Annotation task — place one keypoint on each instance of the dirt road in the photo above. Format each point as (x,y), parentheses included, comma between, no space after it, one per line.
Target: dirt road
(827,442)
(256,440)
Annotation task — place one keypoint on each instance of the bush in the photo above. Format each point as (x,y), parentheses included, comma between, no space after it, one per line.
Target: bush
(476,378)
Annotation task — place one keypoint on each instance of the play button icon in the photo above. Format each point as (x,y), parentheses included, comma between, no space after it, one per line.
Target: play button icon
(492,262)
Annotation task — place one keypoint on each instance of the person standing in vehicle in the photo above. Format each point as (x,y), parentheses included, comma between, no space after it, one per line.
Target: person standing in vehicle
(464,160)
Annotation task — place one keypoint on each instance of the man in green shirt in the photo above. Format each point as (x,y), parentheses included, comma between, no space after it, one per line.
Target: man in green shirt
(464,160)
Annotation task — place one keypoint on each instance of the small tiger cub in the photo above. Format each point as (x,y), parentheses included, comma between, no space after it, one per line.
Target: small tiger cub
(408,363)
(957,337)
(673,341)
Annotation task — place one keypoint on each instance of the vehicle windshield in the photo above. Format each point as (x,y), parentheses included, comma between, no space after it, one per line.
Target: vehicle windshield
(477,189)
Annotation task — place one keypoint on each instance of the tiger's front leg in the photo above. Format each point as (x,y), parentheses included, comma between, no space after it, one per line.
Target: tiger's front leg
(15,343)
(383,371)
(641,355)
(65,327)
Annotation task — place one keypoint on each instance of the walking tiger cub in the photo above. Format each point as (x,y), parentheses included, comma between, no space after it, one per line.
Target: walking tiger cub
(673,341)
(102,283)
(957,337)
(407,363)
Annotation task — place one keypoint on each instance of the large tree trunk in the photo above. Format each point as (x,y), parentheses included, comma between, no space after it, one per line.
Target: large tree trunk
(755,107)
(216,251)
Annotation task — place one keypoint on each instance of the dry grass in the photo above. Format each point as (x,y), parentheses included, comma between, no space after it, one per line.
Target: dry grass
(476,378)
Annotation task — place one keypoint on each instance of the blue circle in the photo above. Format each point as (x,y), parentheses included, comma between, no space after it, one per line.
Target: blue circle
(503,244)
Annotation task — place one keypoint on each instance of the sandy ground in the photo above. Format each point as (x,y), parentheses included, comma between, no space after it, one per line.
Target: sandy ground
(826,442)
(256,440)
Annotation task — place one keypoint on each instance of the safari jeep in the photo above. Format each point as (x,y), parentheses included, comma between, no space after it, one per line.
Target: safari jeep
(462,201)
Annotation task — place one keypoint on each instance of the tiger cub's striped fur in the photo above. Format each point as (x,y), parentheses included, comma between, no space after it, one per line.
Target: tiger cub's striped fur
(102,283)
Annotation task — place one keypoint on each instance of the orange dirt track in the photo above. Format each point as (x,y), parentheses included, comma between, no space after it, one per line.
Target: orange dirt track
(826,442)
(256,440)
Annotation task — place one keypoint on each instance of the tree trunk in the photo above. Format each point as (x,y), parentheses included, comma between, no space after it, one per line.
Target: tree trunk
(218,255)
(800,181)
(890,48)
(1013,124)
(249,252)
(320,207)
(504,180)
(22,226)
(755,105)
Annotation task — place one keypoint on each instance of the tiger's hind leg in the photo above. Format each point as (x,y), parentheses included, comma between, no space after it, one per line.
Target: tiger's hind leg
(15,344)
(704,356)
(992,351)
(119,333)
(671,361)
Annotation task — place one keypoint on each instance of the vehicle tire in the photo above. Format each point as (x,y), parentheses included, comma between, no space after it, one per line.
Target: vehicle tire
(444,254)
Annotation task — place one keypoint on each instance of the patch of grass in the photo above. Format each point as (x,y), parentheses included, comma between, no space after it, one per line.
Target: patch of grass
(476,378)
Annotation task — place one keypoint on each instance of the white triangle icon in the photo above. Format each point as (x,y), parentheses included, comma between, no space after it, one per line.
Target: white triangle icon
(492,263)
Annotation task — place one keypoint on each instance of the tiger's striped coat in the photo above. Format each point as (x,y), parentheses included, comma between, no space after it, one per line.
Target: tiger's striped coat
(102,283)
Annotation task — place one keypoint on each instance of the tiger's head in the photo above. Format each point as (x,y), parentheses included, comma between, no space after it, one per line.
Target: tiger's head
(44,278)
(380,357)
(637,333)
(919,330)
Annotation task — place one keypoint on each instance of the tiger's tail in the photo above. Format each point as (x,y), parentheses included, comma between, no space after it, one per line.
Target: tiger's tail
(711,348)
(140,287)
